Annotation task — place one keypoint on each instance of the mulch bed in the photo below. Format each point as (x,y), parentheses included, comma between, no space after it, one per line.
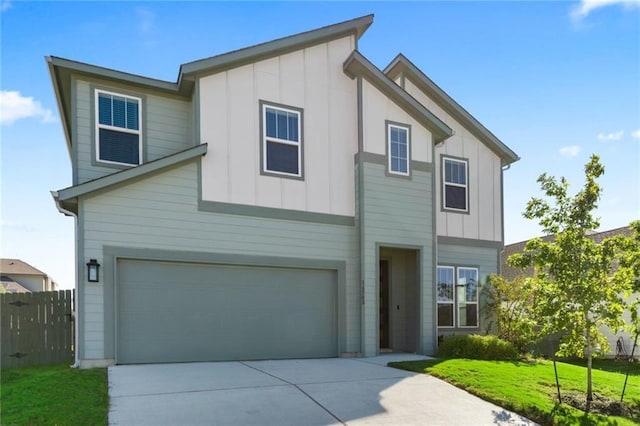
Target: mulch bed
(603,405)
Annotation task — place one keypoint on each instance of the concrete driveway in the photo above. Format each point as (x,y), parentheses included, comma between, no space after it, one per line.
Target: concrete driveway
(293,392)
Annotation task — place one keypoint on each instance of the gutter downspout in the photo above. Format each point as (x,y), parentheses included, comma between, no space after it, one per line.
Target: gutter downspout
(66,212)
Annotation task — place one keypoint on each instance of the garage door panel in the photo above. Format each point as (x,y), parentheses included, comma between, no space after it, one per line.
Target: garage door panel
(170,312)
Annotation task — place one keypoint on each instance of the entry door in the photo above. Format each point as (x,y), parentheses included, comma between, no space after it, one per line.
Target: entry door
(384,304)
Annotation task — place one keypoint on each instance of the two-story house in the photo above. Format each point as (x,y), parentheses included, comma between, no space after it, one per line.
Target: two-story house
(286,200)
(17,276)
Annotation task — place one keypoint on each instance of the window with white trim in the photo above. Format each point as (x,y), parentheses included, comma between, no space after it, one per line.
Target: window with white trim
(457,291)
(118,134)
(454,178)
(281,140)
(398,149)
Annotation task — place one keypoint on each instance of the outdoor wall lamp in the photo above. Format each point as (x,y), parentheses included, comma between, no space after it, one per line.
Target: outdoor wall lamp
(93,271)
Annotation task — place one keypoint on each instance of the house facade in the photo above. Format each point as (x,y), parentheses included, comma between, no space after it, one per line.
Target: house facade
(17,276)
(287,200)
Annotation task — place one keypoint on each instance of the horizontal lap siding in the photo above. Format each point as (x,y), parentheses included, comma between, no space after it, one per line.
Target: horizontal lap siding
(396,211)
(167,128)
(162,213)
(484,258)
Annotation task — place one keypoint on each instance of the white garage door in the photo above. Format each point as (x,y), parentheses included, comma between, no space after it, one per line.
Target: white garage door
(180,312)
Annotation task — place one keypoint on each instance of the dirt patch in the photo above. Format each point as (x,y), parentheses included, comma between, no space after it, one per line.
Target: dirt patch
(603,405)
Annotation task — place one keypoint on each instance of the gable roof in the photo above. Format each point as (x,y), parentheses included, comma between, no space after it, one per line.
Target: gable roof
(67,197)
(61,70)
(18,267)
(400,65)
(276,47)
(357,65)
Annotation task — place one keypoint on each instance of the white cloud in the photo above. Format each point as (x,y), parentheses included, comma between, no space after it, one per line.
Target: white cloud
(585,7)
(5,5)
(569,151)
(14,106)
(635,134)
(146,20)
(613,136)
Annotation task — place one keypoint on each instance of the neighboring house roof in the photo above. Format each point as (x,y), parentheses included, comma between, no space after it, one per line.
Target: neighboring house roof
(67,197)
(358,65)
(11,286)
(18,267)
(511,273)
(61,69)
(401,65)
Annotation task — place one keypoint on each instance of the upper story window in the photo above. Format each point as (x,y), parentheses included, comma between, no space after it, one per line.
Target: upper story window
(281,140)
(454,178)
(118,135)
(398,149)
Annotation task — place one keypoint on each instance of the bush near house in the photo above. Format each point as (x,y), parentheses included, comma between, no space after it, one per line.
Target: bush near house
(476,347)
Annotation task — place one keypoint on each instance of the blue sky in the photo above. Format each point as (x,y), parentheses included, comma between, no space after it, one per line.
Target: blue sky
(556,81)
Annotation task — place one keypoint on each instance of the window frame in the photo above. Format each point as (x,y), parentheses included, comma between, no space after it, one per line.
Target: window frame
(452,303)
(404,127)
(464,161)
(98,126)
(467,303)
(456,303)
(264,140)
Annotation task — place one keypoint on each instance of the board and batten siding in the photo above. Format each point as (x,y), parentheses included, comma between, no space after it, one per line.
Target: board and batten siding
(167,127)
(484,220)
(162,213)
(397,213)
(377,110)
(311,79)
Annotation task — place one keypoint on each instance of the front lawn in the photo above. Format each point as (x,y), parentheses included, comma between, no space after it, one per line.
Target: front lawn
(53,395)
(529,388)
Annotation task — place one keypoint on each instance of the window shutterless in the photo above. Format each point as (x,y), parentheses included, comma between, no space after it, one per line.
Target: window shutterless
(398,149)
(454,178)
(281,140)
(118,123)
(457,293)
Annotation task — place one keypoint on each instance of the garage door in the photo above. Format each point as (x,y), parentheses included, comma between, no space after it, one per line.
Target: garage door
(179,312)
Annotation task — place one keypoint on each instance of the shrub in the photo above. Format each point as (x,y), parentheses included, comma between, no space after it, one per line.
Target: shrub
(476,347)
(509,303)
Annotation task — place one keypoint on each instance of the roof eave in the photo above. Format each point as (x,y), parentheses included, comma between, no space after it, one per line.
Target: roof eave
(64,114)
(357,65)
(81,68)
(236,58)
(401,65)
(67,197)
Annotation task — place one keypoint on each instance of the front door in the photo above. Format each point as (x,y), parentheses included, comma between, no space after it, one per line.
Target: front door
(384,304)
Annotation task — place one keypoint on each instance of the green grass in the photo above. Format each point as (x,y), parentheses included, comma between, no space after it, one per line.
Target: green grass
(53,395)
(529,388)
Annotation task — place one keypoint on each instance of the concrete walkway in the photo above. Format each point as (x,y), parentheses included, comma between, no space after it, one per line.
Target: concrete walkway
(293,392)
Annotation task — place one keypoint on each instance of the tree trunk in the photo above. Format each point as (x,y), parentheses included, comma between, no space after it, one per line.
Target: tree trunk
(589,364)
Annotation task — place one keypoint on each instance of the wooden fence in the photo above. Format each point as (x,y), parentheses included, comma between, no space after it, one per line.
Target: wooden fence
(36,328)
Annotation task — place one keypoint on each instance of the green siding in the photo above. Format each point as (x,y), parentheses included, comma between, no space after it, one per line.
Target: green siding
(487,259)
(167,128)
(396,212)
(161,213)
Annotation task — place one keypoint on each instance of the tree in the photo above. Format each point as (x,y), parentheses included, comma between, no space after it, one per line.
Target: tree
(509,304)
(575,289)
(628,271)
